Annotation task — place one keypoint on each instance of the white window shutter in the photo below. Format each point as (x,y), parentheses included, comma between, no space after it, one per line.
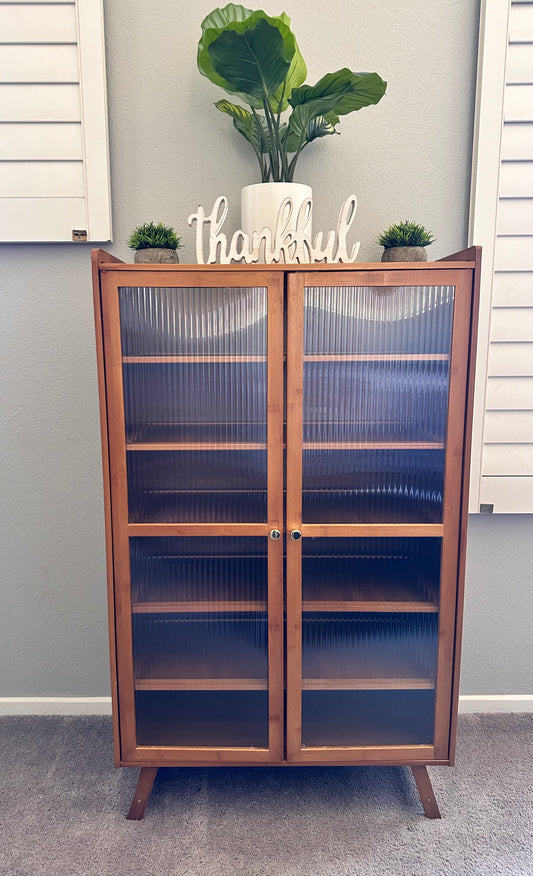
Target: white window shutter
(54,162)
(502,222)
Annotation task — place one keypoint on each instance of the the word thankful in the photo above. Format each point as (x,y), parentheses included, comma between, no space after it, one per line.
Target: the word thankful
(281,244)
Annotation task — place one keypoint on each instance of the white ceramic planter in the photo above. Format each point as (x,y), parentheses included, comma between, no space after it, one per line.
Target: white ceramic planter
(260,204)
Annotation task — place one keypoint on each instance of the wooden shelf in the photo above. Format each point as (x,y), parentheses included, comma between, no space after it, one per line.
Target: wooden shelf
(320,445)
(367,684)
(196,445)
(315,605)
(198,607)
(308,357)
(179,360)
(262,684)
(201,684)
(374,445)
(376,357)
(365,606)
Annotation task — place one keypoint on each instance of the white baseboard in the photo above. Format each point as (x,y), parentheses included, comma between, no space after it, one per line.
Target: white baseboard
(494,703)
(102,705)
(55,705)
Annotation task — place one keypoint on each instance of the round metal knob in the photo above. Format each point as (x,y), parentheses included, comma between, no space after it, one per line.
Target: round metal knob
(296,535)
(275,534)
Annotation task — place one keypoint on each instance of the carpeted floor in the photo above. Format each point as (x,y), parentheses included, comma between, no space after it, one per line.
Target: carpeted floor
(62,807)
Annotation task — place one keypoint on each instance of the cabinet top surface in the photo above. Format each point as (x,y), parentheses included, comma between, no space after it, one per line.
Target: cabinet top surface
(289,268)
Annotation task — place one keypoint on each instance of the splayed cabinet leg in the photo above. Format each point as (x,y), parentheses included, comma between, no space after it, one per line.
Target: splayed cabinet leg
(427,797)
(142,793)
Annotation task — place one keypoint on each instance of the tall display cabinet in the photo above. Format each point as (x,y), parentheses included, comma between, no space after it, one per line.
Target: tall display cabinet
(286,454)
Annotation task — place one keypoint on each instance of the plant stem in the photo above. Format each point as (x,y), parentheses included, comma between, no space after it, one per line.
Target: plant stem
(274,144)
(282,147)
(295,158)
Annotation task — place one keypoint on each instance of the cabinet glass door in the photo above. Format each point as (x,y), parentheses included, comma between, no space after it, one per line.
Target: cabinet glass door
(194,370)
(367,431)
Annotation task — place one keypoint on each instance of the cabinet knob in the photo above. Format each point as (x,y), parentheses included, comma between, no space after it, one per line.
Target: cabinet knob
(296,535)
(275,534)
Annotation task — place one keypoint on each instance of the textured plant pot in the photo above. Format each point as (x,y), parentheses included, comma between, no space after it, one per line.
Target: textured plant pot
(260,205)
(404,254)
(156,256)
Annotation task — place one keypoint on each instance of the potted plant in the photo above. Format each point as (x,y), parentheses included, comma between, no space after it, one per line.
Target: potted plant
(255,57)
(405,242)
(156,244)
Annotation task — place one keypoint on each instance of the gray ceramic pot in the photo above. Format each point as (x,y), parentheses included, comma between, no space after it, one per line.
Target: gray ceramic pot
(156,256)
(404,254)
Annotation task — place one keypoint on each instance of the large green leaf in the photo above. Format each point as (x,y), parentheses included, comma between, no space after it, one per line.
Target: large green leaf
(357,90)
(317,127)
(294,78)
(252,126)
(216,21)
(250,56)
(304,113)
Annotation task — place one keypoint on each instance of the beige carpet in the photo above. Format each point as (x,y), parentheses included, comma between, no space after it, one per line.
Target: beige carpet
(62,807)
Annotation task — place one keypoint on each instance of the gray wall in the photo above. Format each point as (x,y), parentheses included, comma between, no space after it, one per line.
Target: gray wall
(409,157)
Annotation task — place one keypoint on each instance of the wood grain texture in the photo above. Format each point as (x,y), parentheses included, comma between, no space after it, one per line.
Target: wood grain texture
(425,789)
(467,451)
(372,530)
(290,270)
(451,510)
(295,316)
(142,793)
(275,409)
(96,258)
(119,507)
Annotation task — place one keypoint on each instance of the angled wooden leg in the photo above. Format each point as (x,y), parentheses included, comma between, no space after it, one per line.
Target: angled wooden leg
(423,783)
(142,793)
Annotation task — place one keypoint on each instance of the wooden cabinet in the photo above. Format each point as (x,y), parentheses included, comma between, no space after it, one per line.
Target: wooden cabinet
(285,456)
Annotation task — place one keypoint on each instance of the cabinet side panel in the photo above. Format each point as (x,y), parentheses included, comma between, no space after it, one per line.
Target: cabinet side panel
(452,510)
(119,511)
(97,257)
(469,418)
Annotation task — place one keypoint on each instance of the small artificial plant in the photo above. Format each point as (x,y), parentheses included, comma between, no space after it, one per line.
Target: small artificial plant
(256,58)
(150,236)
(405,234)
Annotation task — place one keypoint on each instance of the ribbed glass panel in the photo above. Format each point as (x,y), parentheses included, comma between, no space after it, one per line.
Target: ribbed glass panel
(195,378)
(193,321)
(199,572)
(378,319)
(346,654)
(387,401)
(368,717)
(375,399)
(392,574)
(200,640)
(197,486)
(372,486)
(196,402)
(385,648)
(200,651)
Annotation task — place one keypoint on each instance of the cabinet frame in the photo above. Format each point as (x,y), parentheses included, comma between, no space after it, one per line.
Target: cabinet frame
(460,270)
(448,530)
(121,530)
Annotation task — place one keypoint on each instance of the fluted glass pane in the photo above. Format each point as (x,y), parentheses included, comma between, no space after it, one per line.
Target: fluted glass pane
(396,574)
(197,486)
(195,402)
(369,640)
(200,640)
(230,573)
(378,319)
(375,400)
(195,389)
(368,717)
(346,654)
(193,321)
